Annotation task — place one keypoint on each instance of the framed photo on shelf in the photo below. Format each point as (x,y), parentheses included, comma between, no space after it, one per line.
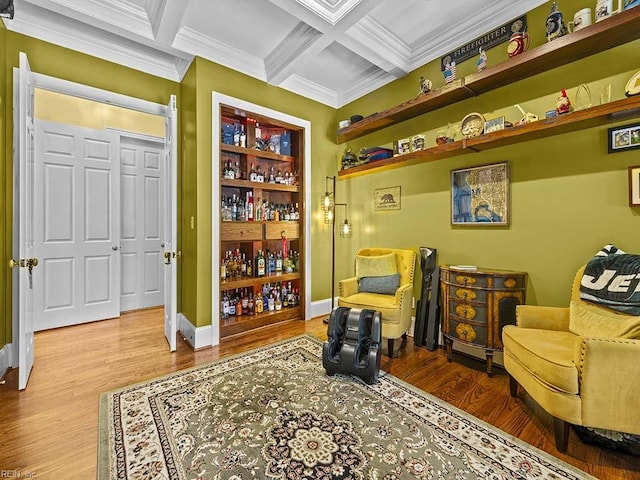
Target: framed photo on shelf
(634,186)
(625,137)
(494,125)
(386,199)
(480,195)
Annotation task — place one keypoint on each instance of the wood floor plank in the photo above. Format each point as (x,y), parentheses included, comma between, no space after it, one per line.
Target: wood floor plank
(51,428)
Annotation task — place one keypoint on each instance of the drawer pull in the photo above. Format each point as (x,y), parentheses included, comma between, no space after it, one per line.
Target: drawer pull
(510,282)
(466,311)
(465,280)
(466,332)
(466,294)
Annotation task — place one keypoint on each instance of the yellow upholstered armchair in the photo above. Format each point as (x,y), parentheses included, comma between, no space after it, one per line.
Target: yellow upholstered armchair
(383,282)
(580,364)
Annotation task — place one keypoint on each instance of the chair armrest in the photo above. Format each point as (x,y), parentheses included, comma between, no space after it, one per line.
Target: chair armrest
(348,287)
(403,296)
(544,318)
(609,376)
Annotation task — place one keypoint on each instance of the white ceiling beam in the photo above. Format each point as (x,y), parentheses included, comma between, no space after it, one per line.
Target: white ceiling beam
(289,55)
(372,41)
(167,18)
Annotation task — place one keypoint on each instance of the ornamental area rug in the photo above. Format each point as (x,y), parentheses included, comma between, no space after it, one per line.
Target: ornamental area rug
(273,413)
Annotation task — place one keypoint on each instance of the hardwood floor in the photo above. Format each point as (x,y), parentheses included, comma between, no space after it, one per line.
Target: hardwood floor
(51,428)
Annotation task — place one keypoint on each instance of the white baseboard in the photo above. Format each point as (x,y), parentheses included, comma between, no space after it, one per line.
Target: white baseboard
(197,337)
(6,354)
(322,307)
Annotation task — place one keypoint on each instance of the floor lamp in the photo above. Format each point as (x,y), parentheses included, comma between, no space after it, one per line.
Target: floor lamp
(329,208)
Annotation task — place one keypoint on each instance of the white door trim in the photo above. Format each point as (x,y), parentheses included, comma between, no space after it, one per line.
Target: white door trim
(217,100)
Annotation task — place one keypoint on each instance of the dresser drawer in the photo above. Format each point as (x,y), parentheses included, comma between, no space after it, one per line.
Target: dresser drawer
(509,282)
(475,312)
(468,333)
(241,231)
(273,231)
(466,294)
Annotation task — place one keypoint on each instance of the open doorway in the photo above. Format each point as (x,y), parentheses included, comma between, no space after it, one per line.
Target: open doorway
(25,249)
(99,210)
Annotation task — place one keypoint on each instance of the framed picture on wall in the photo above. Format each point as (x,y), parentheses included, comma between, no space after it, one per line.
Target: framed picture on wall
(634,186)
(480,195)
(626,137)
(386,199)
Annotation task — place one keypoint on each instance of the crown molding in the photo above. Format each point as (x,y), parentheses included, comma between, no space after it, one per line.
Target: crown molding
(76,36)
(372,80)
(306,88)
(189,40)
(118,13)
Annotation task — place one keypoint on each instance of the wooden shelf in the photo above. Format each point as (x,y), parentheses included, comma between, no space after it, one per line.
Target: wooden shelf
(596,38)
(243,323)
(571,122)
(255,281)
(227,182)
(256,153)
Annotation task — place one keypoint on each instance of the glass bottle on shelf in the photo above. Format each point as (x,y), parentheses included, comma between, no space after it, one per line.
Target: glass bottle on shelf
(243,137)
(259,304)
(252,173)
(260,265)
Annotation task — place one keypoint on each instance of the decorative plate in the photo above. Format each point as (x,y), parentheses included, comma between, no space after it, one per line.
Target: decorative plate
(633,85)
(472,125)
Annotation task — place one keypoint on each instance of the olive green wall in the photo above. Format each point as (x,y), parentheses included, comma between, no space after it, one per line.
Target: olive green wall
(66,64)
(568,196)
(213,77)
(5,239)
(188,175)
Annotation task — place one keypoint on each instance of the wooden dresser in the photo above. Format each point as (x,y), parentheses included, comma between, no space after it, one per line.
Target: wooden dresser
(477,304)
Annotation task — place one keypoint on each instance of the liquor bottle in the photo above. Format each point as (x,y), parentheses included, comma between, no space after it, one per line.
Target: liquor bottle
(279,262)
(225,305)
(232,307)
(272,175)
(259,174)
(238,304)
(258,131)
(278,302)
(271,262)
(249,267)
(236,135)
(243,265)
(234,208)
(249,207)
(258,212)
(260,265)
(259,303)
(243,137)
(251,305)
(245,301)
(272,303)
(223,269)
(252,173)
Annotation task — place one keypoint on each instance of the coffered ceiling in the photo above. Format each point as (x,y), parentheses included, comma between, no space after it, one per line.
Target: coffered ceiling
(332,51)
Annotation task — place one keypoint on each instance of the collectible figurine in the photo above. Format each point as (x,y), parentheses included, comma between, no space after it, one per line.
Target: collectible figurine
(425,86)
(563,105)
(482,61)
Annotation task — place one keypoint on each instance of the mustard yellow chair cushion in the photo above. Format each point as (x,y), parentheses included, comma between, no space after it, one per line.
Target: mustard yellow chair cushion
(376,266)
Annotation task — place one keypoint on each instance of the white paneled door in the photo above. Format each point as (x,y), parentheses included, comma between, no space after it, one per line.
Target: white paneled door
(24,252)
(141,223)
(77,229)
(171,253)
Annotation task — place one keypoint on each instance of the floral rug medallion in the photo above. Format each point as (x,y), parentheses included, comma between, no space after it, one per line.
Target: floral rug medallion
(273,413)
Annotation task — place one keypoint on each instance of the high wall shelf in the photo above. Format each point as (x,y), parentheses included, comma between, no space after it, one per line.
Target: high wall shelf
(591,117)
(596,38)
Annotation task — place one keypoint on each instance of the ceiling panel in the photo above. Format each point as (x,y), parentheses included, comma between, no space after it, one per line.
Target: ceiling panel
(332,51)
